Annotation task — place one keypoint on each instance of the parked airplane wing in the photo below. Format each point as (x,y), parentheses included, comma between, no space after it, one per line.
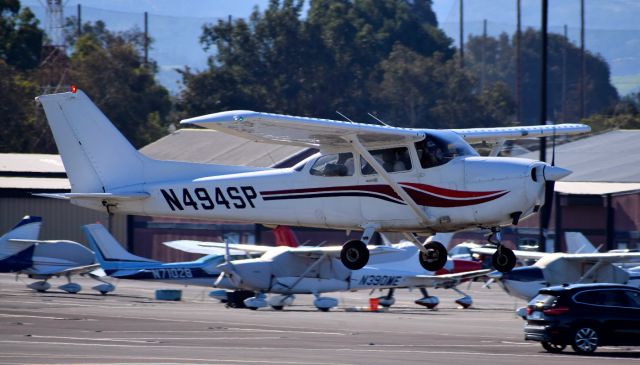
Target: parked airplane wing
(335,250)
(605,257)
(445,280)
(216,248)
(300,131)
(522,255)
(492,134)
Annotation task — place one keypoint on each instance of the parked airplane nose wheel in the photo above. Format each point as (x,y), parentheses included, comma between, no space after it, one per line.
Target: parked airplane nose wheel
(503,259)
(435,258)
(354,255)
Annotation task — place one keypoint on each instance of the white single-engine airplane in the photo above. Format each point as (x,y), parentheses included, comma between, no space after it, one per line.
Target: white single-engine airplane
(366,177)
(286,271)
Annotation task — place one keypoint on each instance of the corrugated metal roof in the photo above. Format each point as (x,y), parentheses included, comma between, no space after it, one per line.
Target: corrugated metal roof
(608,157)
(30,162)
(208,146)
(31,183)
(595,188)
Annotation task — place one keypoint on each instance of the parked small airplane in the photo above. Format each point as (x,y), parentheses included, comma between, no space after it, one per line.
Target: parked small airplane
(22,253)
(366,177)
(121,264)
(565,268)
(284,272)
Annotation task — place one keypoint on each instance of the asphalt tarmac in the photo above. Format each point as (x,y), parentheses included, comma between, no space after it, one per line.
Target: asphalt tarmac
(130,327)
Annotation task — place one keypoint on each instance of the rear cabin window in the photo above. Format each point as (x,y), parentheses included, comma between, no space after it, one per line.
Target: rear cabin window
(391,159)
(340,164)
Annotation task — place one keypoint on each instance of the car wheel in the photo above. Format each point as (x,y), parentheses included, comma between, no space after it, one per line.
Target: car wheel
(553,347)
(585,340)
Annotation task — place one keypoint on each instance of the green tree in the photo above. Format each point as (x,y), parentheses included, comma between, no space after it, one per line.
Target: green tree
(329,61)
(110,68)
(17,106)
(20,37)
(493,60)
(624,115)
(430,92)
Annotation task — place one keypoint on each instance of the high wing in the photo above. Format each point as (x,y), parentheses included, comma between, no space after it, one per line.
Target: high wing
(216,248)
(301,131)
(474,135)
(445,280)
(316,252)
(209,248)
(522,255)
(316,132)
(606,257)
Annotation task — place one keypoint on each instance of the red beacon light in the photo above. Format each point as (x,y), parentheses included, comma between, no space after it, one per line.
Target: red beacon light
(74,89)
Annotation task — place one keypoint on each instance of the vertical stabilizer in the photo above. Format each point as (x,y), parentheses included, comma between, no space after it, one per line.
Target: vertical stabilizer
(285,237)
(27,229)
(96,156)
(109,253)
(578,243)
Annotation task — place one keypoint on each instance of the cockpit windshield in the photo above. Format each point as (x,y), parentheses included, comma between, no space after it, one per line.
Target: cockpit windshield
(440,147)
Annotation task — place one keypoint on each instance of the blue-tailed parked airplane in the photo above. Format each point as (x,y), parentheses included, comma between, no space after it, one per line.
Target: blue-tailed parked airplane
(121,264)
(22,253)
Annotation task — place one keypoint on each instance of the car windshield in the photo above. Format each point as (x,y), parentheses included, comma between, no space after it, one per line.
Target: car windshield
(440,147)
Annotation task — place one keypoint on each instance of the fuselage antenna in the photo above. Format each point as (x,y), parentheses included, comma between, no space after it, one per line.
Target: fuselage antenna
(379,120)
(345,117)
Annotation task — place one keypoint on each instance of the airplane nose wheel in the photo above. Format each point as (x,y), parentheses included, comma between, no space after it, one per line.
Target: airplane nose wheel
(435,258)
(354,255)
(503,260)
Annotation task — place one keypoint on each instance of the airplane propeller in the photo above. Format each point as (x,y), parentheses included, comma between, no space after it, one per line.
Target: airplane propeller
(227,269)
(550,173)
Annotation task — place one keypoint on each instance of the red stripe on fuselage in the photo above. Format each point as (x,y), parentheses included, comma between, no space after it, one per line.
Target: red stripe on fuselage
(422,196)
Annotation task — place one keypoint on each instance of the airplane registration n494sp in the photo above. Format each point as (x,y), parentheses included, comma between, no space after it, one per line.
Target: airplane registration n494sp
(365,177)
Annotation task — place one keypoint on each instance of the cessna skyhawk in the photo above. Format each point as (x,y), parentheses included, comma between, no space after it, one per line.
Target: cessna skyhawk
(366,177)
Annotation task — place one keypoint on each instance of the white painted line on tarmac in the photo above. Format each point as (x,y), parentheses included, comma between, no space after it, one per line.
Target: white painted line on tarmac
(308,349)
(159,360)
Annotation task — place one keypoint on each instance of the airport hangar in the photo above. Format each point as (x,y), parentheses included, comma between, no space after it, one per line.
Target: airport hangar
(601,198)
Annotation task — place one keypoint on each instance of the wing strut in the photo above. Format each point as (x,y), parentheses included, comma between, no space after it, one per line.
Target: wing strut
(422,216)
(311,267)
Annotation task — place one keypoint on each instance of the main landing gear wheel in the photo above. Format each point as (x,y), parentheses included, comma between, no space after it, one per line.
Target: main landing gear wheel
(435,258)
(503,260)
(354,255)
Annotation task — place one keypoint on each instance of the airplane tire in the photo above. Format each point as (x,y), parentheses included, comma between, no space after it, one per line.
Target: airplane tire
(324,309)
(354,255)
(278,307)
(503,260)
(435,259)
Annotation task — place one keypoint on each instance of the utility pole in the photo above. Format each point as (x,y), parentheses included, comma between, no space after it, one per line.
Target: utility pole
(484,52)
(146,39)
(461,34)
(79,30)
(583,64)
(542,241)
(518,64)
(564,75)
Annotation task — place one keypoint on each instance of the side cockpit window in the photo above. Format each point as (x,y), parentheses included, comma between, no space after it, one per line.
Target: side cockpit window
(391,159)
(340,164)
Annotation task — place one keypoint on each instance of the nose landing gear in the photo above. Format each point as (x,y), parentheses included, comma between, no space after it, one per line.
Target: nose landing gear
(503,260)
